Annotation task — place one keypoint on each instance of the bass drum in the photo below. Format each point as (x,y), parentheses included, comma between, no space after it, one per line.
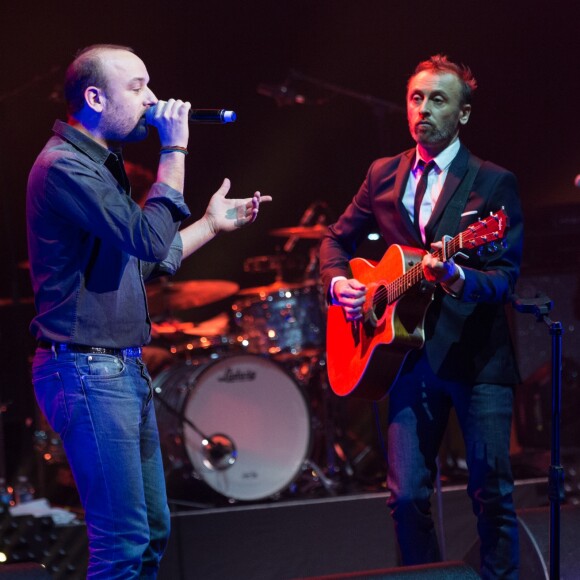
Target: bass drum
(240,421)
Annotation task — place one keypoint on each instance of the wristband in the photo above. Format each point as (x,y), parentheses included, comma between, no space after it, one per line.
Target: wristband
(173,149)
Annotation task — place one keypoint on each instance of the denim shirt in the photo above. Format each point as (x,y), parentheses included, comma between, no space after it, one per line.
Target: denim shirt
(91,247)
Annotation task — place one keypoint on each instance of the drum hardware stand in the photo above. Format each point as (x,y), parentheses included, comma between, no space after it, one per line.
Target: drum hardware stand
(540,307)
(331,436)
(330,485)
(218,449)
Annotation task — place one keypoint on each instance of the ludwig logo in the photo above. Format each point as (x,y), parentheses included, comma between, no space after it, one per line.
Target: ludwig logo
(237,376)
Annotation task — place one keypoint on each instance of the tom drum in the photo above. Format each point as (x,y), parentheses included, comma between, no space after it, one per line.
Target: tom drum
(287,318)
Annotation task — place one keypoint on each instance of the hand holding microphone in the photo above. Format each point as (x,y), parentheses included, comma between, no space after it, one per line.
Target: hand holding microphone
(170,119)
(165,109)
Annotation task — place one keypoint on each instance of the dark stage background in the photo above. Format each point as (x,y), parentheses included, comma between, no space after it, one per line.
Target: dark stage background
(524,54)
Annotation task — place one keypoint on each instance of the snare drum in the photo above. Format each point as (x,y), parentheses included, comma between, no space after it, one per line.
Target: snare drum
(241,422)
(287,319)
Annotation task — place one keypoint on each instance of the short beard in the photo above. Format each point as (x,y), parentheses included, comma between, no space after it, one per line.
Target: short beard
(435,137)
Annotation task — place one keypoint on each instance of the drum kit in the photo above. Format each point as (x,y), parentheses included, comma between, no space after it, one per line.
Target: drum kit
(242,402)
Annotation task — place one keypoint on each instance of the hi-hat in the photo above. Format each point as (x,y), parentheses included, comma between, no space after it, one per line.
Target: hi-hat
(171,296)
(307,232)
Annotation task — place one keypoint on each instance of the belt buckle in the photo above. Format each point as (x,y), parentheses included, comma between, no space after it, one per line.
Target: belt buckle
(101,350)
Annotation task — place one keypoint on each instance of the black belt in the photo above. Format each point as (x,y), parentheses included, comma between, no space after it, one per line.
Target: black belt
(133,351)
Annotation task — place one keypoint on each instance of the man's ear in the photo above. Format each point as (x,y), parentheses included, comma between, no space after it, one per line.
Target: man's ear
(464,115)
(94,98)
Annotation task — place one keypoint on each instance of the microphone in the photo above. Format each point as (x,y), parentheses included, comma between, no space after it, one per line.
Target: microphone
(577,181)
(215,116)
(283,94)
(219,116)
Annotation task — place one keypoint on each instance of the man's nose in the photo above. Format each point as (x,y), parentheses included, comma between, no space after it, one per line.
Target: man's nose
(425,109)
(150,98)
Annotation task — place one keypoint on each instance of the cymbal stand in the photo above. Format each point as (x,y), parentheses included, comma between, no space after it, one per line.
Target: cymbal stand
(540,307)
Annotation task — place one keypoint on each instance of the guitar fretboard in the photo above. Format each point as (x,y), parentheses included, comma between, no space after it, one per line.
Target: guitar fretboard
(479,233)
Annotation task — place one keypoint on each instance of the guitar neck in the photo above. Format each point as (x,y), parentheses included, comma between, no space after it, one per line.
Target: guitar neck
(479,233)
(415,274)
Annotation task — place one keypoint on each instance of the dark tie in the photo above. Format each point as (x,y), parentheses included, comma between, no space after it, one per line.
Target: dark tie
(421,187)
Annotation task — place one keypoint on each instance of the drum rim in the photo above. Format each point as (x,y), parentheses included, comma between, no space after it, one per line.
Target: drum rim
(194,378)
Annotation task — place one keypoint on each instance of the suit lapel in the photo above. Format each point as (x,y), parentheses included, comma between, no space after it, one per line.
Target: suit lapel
(456,172)
(401,179)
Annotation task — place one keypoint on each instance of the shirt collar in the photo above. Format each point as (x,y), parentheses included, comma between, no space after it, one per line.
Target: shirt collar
(84,143)
(444,159)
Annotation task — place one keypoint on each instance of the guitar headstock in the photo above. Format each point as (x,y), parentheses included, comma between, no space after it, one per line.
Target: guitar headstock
(484,231)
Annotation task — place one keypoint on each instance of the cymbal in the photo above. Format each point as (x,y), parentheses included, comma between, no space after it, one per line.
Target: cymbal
(278,286)
(307,232)
(172,296)
(11,302)
(218,325)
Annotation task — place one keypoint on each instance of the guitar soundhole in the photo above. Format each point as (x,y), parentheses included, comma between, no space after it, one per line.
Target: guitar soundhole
(380,302)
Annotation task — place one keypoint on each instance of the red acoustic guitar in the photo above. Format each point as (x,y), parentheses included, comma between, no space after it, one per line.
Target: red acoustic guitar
(365,357)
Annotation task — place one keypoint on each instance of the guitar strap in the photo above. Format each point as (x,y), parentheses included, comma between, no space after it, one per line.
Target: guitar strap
(452,214)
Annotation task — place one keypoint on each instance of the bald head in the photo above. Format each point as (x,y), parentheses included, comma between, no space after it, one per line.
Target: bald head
(87,70)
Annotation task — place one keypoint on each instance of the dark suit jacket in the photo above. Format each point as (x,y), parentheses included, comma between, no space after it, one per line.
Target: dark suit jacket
(467,338)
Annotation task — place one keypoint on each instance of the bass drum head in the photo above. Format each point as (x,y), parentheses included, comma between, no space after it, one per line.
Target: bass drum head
(250,406)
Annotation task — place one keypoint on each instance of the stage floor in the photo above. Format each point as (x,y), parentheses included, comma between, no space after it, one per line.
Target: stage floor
(298,538)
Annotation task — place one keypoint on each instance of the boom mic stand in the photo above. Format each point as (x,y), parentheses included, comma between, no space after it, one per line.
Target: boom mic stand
(540,307)
(379,107)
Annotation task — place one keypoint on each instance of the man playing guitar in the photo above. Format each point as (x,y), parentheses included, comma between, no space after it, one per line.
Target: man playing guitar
(447,337)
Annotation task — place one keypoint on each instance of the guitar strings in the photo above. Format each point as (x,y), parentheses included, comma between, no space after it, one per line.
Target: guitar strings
(392,291)
(395,289)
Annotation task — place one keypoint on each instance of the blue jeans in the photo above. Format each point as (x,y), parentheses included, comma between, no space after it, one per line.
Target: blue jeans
(419,406)
(102,408)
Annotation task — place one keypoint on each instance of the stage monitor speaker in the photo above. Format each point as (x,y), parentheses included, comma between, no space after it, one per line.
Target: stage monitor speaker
(533,408)
(28,571)
(534,528)
(438,571)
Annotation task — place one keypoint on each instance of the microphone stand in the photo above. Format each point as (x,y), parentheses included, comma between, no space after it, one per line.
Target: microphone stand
(540,307)
(216,446)
(379,107)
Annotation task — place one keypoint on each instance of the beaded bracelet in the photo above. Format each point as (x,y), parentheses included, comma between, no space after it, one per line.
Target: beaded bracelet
(173,149)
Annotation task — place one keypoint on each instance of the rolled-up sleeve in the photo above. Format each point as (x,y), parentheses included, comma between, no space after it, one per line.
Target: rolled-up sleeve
(94,201)
(167,267)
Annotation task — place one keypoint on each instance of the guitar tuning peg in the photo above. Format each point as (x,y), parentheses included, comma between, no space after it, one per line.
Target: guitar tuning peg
(492,247)
(504,244)
(480,251)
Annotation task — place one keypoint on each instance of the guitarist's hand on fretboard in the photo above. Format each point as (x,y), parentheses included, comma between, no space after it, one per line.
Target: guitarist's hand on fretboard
(446,273)
(350,294)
